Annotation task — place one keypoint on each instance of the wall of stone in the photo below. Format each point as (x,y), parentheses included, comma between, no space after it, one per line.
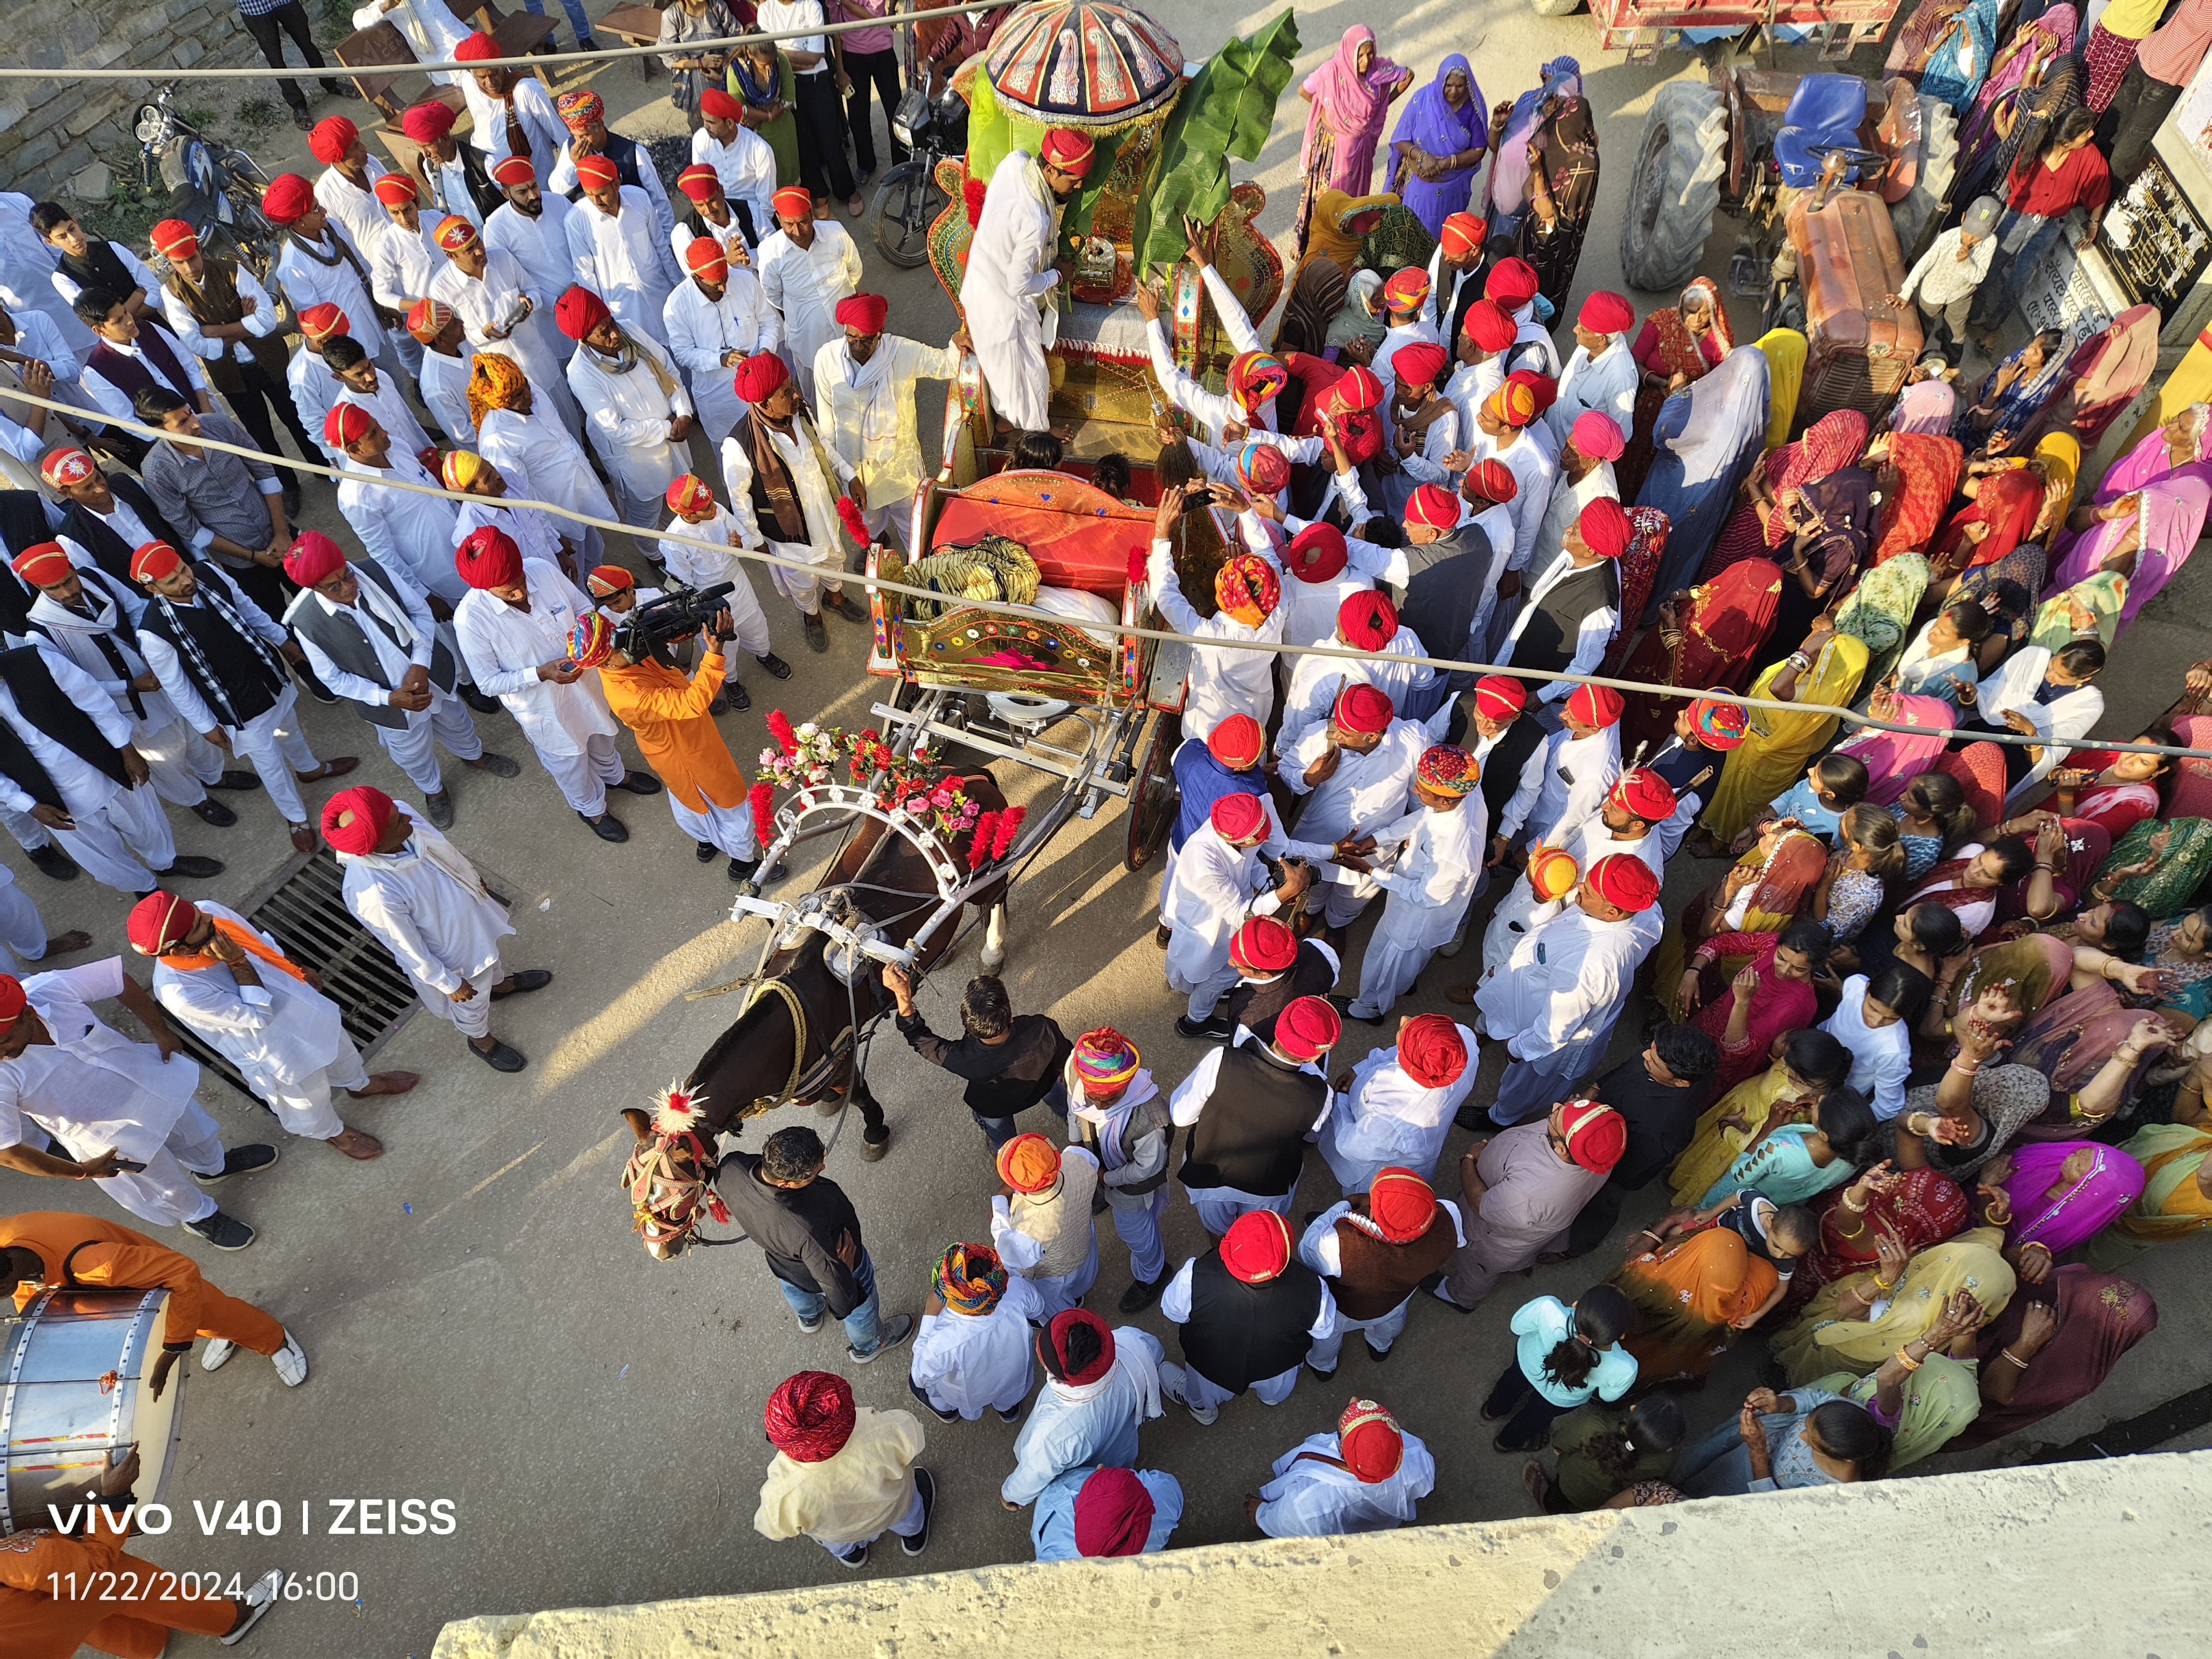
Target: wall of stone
(52,128)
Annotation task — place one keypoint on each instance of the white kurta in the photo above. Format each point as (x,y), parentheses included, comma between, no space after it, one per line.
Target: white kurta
(540,247)
(1215,888)
(1606,382)
(623,257)
(444,383)
(630,419)
(865,411)
(1307,1499)
(121,836)
(354,210)
(815,474)
(1364,793)
(1387,1118)
(805,285)
(973,1363)
(307,283)
(562,180)
(696,567)
(1437,868)
(441,931)
(542,130)
(401,263)
(505,644)
(401,529)
(1221,682)
(388,403)
(314,393)
(1554,1001)
(1881,1060)
(1590,842)
(537,534)
(534,446)
(1317,681)
(491,310)
(1532,470)
(1006,296)
(710,337)
(1578,773)
(1073,1424)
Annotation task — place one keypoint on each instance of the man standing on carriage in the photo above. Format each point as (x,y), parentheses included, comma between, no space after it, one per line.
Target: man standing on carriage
(784,485)
(1008,295)
(864,385)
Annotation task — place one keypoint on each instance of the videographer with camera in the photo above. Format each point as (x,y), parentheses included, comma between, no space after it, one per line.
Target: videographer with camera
(676,734)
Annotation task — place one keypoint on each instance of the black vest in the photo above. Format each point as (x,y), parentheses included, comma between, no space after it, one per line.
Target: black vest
(1555,621)
(1257,1006)
(105,545)
(1443,588)
(22,526)
(44,704)
(342,637)
(241,675)
(1501,767)
(1239,1334)
(99,585)
(1251,1134)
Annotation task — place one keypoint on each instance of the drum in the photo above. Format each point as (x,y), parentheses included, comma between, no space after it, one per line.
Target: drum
(74,1397)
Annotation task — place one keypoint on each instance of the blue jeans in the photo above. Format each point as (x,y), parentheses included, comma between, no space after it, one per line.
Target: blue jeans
(862,1325)
(1000,1130)
(1998,295)
(577,20)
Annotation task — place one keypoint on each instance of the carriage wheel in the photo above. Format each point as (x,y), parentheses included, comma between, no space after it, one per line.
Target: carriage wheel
(1152,799)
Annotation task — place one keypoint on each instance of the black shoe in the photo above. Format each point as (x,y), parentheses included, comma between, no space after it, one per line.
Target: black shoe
(818,636)
(1098,1203)
(191,868)
(736,697)
(1343,1006)
(926,1484)
(1379,1355)
(844,607)
(915,1389)
(239,1160)
(1218,1026)
(336,89)
(225,1232)
(1475,1119)
(895,1330)
(441,808)
(721,703)
(499,1056)
(607,827)
(707,851)
(526,979)
(214,812)
(302,120)
(1141,1295)
(478,701)
(314,688)
(497,766)
(1012,1416)
(54,862)
(778,669)
(639,783)
(741,870)
(1309,1217)
(237,780)
(292,505)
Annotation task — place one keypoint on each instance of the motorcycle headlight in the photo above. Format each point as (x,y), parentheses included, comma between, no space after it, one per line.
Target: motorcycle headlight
(903,133)
(148,128)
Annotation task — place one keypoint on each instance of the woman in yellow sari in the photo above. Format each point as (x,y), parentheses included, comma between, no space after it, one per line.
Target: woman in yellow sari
(1786,350)
(1825,670)
(1835,1333)
(2058,457)
(2177,1199)
(1810,1065)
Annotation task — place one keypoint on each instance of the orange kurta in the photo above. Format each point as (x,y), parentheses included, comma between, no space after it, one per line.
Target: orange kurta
(675,733)
(36,1624)
(113,1257)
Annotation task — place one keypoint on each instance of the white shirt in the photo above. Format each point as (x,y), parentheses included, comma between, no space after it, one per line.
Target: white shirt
(562,180)
(695,567)
(1532,471)
(1557,996)
(537,534)
(703,333)
(968,1363)
(1316,681)
(539,245)
(354,212)
(1071,1426)
(1210,892)
(1365,791)
(865,411)
(1307,1499)
(308,282)
(812,465)
(805,285)
(1221,683)
(1175,1301)
(779,14)
(623,257)
(401,634)
(1606,382)
(541,125)
(1577,772)
(1942,278)
(1437,866)
(258,322)
(1591,638)
(182,691)
(1395,337)
(747,168)
(78,638)
(504,645)
(628,415)
(28,261)
(69,288)
(2059,722)
(314,393)
(1190,1095)
(84,788)
(535,447)
(444,383)
(440,931)
(92,1088)
(405,533)
(402,263)
(389,404)
(1386,1118)
(1880,1059)
(278,1033)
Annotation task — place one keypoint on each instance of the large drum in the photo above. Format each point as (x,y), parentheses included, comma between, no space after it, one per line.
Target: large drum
(74,1397)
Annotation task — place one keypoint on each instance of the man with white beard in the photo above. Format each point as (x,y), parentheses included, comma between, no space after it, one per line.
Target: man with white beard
(492,293)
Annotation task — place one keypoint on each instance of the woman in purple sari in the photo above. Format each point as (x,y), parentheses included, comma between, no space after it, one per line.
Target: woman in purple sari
(2064,1192)
(1893,759)
(1440,140)
(1349,95)
(2148,546)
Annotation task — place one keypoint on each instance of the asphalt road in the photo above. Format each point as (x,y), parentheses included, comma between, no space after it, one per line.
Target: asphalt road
(483,1328)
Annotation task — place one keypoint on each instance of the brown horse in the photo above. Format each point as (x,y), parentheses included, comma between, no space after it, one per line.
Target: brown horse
(753,1066)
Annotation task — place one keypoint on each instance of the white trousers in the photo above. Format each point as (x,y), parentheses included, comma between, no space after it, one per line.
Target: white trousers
(303,1105)
(745,614)
(30,835)
(1056,1295)
(583,778)
(272,742)
(448,720)
(1015,368)
(1218,1207)
(1507,923)
(472,1018)
(123,842)
(804,587)
(183,761)
(22,929)
(1380,1334)
(1195,1388)
(1386,972)
(728,830)
(162,1193)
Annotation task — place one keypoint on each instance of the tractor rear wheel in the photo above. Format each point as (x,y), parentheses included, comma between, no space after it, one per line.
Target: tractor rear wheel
(1676,187)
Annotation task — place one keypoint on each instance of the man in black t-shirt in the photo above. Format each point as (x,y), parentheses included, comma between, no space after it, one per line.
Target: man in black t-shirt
(1009,1061)
(1658,1095)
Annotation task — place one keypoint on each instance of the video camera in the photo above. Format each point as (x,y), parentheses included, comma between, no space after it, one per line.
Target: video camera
(677,615)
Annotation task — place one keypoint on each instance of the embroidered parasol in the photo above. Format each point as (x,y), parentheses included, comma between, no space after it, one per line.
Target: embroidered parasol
(1088,63)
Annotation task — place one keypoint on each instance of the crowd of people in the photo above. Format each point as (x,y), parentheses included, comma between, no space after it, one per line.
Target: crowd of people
(1921,1068)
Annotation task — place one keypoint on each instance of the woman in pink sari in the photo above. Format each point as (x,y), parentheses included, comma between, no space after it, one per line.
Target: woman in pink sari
(1349,94)
(2064,1192)
(2173,447)
(1893,759)
(2148,545)
(2104,373)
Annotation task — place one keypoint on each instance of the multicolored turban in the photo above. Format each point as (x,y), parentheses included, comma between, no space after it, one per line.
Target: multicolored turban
(1262,469)
(1553,873)
(1104,1059)
(454,234)
(427,318)
(1247,588)
(591,640)
(968,1279)
(1720,726)
(1256,376)
(1408,289)
(689,494)
(579,110)
(1448,769)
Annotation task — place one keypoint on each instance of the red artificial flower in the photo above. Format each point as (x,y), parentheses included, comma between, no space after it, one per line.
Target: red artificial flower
(779,727)
(763,799)
(849,515)
(979,850)
(1139,561)
(1010,822)
(972,191)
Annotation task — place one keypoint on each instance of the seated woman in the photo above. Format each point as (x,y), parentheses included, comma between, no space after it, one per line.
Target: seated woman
(1874,1020)
(2180,950)
(1856,1323)
(1608,1454)
(1760,894)
(1041,451)
(2094,1054)
(1966,884)
(2158,865)
(1869,855)
(1933,814)
(1960,1123)
(2177,1197)
(1770,995)
(2000,515)
(2030,970)
(1915,1207)
(2114,791)
(2069,854)
(1927,1391)
(1944,656)
(1792,1161)
(2060,1194)
(2055,1344)
(1807,1066)
(1781,1442)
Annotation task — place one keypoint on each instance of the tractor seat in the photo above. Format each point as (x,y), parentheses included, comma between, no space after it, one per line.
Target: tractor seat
(1825,110)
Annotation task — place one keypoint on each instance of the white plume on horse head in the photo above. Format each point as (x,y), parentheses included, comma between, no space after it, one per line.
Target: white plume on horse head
(678,1110)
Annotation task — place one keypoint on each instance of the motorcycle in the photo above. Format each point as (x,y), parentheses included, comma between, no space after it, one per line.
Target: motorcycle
(934,126)
(213,187)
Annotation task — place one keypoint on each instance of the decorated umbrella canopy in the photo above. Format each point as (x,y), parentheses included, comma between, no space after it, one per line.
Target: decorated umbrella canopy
(1085,64)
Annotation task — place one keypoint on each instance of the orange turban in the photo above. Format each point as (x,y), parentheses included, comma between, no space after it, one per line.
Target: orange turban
(1028,1163)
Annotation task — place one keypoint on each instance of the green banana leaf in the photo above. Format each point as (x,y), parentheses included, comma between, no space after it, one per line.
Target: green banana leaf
(1228,109)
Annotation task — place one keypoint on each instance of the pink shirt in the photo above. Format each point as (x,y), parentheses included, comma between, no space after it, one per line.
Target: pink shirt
(852,11)
(2175,47)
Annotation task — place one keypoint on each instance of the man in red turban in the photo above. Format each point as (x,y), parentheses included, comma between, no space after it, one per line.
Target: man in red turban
(1355,765)
(1008,293)
(1455,273)
(511,110)
(1090,1514)
(1216,883)
(742,161)
(1430,863)
(621,238)
(1602,376)
(1222,681)
(864,384)
(1399,1108)
(632,397)
(1573,605)
(1369,1476)
(318,263)
(720,316)
(807,264)
(1247,1309)
(843,1474)
(1101,1386)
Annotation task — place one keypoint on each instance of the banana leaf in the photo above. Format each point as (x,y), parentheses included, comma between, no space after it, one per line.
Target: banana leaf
(1228,109)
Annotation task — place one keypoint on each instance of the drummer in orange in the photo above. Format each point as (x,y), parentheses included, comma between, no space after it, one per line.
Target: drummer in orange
(676,734)
(54,1249)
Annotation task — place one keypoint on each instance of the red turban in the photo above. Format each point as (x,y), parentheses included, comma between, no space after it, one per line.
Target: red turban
(719,106)
(759,375)
(354,820)
(1247,588)
(1367,620)
(1603,525)
(579,311)
(1408,289)
(454,234)
(1595,706)
(1607,313)
(793,202)
(1262,469)
(427,122)
(1598,436)
(1433,507)
(1357,390)
(1499,697)
(65,469)
(579,110)
(1493,481)
(597,172)
(1028,1163)
(1448,769)
(1624,880)
(1363,710)
(1595,1135)
(1263,945)
(1488,326)
(1064,1358)
(1512,283)
(1318,554)
(321,322)
(699,182)
(689,494)
(1720,726)
(289,198)
(43,565)
(1368,1437)
(1257,1246)
(867,311)
(1069,150)
(1432,1051)
(347,424)
(313,558)
(809,1417)
(12,1001)
(1113,1513)
(1641,791)
(1238,817)
(330,139)
(173,239)
(154,561)
(705,257)
(159,921)
(604,579)
(1401,1204)
(1420,364)
(1237,742)
(426,320)
(514,171)
(1309,1028)
(478,48)
(488,557)
(1463,234)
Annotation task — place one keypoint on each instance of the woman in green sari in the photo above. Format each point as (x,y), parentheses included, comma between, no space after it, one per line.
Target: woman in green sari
(2176,855)
(1856,1323)
(1880,611)
(1825,670)
(1927,1391)
(2094,602)
(2177,1157)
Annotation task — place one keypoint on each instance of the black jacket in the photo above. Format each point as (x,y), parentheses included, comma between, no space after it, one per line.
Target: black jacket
(1002,1078)
(797,1229)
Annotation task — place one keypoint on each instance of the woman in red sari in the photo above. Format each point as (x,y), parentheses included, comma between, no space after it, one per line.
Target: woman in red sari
(1675,346)
(2001,516)
(1918,1207)
(1638,568)
(1759,526)
(1707,640)
(1917,474)
(1772,994)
